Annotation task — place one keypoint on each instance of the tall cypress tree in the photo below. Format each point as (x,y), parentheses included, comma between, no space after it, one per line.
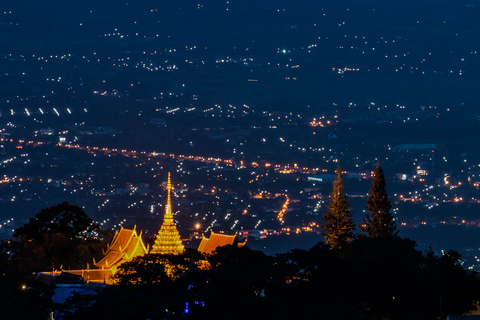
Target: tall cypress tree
(379,223)
(339,226)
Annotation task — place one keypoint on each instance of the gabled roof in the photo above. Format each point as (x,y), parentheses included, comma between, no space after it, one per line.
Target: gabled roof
(121,239)
(208,245)
(136,246)
(125,246)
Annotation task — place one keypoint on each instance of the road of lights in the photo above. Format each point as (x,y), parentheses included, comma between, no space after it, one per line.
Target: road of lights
(281,214)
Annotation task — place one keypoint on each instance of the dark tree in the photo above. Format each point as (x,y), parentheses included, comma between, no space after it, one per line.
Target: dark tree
(25,299)
(236,284)
(299,274)
(151,269)
(61,236)
(18,287)
(368,278)
(385,270)
(379,223)
(339,226)
(70,220)
(452,289)
(163,300)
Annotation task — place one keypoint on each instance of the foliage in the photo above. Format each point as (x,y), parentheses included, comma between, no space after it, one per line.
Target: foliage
(22,298)
(312,284)
(63,218)
(379,223)
(161,301)
(452,288)
(238,277)
(372,278)
(58,236)
(151,269)
(386,271)
(61,236)
(339,226)
(19,288)
(368,278)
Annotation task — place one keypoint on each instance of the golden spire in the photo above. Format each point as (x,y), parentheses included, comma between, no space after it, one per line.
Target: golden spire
(168,239)
(168,208)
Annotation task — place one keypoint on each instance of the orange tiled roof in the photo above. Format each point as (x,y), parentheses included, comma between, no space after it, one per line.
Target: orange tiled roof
(125,246)
(208,245)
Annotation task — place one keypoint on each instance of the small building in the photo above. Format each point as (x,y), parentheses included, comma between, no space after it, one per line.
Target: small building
(208,245)
(125,246)
(322,178)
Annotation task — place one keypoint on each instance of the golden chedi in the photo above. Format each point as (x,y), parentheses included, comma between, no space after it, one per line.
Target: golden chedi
(168,239)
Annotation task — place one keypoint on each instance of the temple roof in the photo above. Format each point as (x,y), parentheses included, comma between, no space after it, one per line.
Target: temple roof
(125,246)
(121,239)
(208,245)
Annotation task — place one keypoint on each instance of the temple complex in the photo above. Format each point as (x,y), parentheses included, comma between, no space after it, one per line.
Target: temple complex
(127,245)
(168,239)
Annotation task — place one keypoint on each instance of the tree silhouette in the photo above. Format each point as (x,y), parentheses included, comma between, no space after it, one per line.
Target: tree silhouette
(62,236)
(151,269)
(379,223)
(339,226)
(70,220)
(368,278)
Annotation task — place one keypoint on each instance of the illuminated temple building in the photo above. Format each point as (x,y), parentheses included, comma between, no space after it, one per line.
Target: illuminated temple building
(168,239)
(125,246)
(208,245)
